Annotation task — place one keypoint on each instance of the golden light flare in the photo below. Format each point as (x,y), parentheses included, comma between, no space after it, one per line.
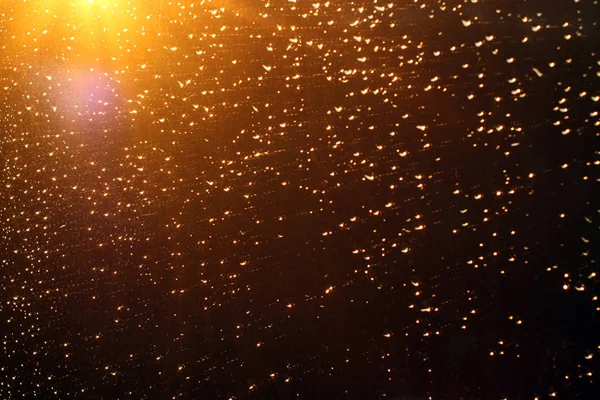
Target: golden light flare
(83,30)
(111,33)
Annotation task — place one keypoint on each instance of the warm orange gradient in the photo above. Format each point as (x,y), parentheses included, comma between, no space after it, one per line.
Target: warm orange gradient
(98,59)
(113,34)
(86,31)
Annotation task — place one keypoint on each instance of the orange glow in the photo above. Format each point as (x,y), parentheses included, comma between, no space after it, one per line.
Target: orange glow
(85,30)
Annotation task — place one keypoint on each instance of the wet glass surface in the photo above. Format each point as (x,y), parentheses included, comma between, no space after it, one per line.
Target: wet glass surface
(289,199)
